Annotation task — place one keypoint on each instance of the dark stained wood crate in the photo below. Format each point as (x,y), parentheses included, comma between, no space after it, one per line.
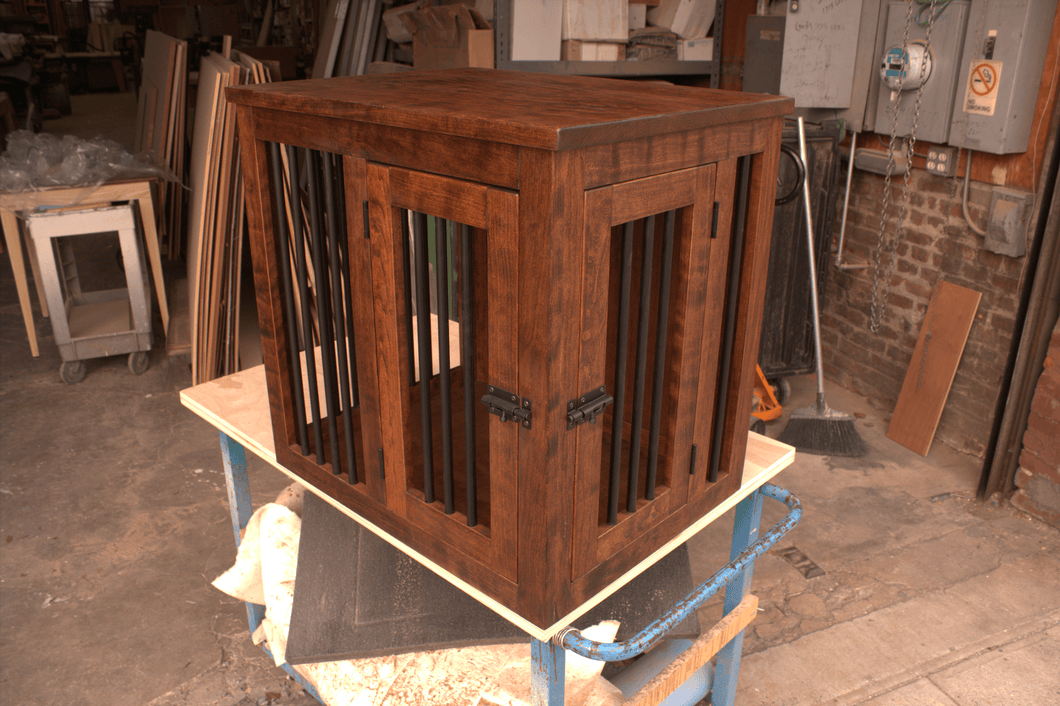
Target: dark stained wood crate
(578,241)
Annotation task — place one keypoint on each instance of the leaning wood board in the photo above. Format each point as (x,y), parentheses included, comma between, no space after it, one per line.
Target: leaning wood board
(931,371)
(238,406)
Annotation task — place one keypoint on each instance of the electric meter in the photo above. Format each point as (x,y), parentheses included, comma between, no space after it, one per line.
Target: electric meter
(903,70)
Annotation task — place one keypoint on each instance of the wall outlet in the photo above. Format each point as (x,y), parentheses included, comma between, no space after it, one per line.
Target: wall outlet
(942,161)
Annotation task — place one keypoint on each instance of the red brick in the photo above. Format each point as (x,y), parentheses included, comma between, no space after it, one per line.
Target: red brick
(1037,467)
(1021,501)
(1033,441)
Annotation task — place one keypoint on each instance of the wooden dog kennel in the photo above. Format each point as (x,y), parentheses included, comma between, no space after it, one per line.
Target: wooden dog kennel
(532,303)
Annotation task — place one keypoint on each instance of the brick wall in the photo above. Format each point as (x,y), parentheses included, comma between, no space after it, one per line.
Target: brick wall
(935,244)
(1038,478)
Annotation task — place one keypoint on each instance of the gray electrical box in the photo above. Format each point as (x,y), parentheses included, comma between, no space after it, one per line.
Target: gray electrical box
(1010,212)
(1001,70)
(763,54)
(940,84)
(861,115)
(820,43)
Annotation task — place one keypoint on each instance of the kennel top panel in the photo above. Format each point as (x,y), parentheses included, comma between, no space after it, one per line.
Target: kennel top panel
(543,111)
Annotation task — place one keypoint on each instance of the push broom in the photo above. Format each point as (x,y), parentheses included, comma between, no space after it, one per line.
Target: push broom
(819,429)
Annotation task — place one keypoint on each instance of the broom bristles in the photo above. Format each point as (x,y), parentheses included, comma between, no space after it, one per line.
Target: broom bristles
(827,433)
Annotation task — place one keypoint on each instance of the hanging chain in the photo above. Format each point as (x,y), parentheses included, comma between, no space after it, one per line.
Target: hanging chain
(881,286)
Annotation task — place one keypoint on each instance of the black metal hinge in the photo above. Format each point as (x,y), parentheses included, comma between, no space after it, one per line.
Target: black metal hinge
(587,407)
(507,406)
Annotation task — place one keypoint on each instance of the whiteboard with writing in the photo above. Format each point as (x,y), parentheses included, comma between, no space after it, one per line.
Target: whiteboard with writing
(820,43)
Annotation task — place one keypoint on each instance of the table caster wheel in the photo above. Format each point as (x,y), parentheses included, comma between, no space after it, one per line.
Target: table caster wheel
(138,362)
(781,389)
(758,426)
(73,372)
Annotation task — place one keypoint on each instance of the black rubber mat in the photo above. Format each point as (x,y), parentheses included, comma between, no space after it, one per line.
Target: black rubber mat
(356,596)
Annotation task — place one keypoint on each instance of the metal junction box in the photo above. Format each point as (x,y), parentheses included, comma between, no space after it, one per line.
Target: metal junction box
(1001,71)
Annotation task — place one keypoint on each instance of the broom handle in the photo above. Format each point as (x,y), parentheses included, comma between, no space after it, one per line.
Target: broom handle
(813,267)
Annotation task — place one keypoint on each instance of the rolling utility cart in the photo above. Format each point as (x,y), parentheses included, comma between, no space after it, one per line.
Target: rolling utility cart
(100,323)
(236,406)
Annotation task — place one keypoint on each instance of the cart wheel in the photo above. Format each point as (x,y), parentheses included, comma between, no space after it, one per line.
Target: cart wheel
(73,372)
(138,362)
(781,389)
(758,426)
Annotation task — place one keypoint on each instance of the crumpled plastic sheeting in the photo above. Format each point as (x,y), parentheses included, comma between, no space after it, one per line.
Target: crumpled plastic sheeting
(36,161)
(493,675)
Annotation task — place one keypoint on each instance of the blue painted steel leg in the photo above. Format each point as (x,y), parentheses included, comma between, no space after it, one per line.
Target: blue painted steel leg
(235,461)
(547,670)
(744,534)
(238,484)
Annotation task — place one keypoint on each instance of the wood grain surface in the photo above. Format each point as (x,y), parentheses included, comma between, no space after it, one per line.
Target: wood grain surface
(938,351)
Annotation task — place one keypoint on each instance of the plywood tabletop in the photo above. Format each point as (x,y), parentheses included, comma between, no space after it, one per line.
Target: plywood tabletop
(514,107)
(238,406)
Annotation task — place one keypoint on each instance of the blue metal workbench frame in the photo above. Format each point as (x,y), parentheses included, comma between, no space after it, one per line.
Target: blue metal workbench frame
(548,658)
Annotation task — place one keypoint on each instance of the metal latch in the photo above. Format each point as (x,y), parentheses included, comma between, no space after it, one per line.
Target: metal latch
(507,406)
(587,407)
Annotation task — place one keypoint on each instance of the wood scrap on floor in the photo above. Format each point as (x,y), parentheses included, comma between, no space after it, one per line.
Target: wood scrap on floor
(160,125)
(353,36)
(216,231)
(931,371)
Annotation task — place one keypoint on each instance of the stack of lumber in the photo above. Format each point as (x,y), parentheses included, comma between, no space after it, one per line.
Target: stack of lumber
(160,124)
(352,37)
(216,231)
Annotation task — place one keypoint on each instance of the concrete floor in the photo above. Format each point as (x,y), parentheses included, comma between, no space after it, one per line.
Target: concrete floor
(114,520)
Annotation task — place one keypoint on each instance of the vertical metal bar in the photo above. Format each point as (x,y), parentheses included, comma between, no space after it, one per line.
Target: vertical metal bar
(467,362)
(339,315)
(303,291)
(327,343)
(743,168)
(441,252)
(423,331)
(662,321)
(347,284)
(621,344)
(643,316)
(288,298)
(406,266)
(744,534)
(548,664)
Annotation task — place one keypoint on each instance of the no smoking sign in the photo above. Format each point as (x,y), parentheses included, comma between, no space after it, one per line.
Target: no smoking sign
(981,94)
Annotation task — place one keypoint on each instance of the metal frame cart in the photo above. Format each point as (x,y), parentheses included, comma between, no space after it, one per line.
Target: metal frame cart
(100,323)
(237,406)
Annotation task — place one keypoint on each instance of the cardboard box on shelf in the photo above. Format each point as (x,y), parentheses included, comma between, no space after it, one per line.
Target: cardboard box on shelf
(450,37)
(688,19)
(578,50)
(695,49)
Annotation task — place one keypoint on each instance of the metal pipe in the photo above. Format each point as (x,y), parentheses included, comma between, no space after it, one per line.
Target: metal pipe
(621,345)
(320,270)
(643,317)
(660,354)
(467,363)
(735,265)
(441,253)
(338,311)
(573,640)
(423,330)
(846,204)
(810,240)
(964,200)
(288,298)
(303,292)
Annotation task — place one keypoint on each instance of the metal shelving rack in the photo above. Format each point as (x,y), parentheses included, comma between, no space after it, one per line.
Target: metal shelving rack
(502,31)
